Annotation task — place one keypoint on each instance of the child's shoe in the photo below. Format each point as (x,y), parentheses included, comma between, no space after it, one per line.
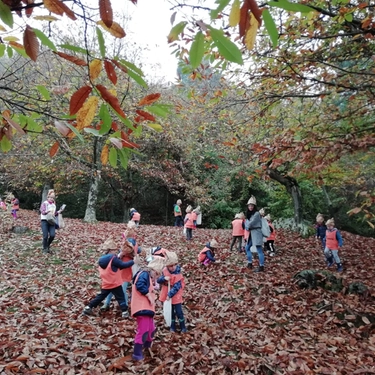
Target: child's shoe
(339,267)
(105,307)
(259,269)
(137,353)
(249,265)
(173,326)
(330,262)
(87,311)
(125,314)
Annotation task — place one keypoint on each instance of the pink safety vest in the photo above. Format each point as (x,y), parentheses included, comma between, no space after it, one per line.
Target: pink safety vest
(237,227)
(140,302)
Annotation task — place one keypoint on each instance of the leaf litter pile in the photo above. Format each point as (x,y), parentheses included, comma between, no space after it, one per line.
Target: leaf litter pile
(239,322)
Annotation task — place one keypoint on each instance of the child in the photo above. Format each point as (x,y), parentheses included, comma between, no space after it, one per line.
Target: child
(3,205)
(238,230)
(172,275)
(334,242)
(126,254)
(269,245)
(143,305)
(130,235)
(135,216)
(321,229)
(109,269)
(157,251)
(207,255)
(190,222)
(15,207)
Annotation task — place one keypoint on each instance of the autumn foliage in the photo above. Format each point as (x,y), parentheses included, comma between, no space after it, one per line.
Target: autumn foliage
(238,322)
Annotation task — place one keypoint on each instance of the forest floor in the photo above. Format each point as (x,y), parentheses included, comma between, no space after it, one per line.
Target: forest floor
(239,322)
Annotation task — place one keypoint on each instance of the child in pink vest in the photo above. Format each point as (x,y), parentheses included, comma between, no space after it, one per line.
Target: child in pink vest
(172,275)
(207,255)
(238,231)
(190,222)
(143,305)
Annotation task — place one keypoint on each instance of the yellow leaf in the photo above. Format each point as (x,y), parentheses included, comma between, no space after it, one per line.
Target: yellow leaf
(157,127)
(10,39)
(86,114)
(2,28)
(95,68)
(251,32)
(59,8)
(234,16)
(113,92)
(104,155)
(46,18)
(116,30)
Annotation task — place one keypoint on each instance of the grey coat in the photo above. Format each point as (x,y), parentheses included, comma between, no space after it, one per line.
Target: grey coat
(255,226)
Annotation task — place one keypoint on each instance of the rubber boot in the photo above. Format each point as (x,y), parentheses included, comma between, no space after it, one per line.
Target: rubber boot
(259,269)
(147,345)
(137,353)
(249,265)
(182,325)
(329,261)
(173,326)
(339,267)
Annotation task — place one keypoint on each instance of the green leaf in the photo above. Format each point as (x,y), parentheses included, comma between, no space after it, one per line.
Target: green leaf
(6,14)
(271,28)
(9,52)
(44,39)
(32,125)
(293,7)
(161,110)
(137,78)
(2,49)
(132,67)
(156,127)
(45,93)
(106,118)
(176,31)
(5,143)
(92,131)
(73,48)
(101,42)
(197,50)
(124,157)
(76,132)
(222,4)
(113,157)
(226,47)
(348,17)
(21,52)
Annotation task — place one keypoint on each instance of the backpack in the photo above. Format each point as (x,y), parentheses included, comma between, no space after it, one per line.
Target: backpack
(265,228)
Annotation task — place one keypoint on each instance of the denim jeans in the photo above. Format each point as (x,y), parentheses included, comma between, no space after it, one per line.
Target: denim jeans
(49,232)
(124,288)
(332,253)
(189,233)
(249,255)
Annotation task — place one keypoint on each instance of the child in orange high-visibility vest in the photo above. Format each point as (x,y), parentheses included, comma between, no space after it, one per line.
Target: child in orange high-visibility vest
(238,231)
(190,222)
(143,305)
(334,243)
(172,275)
(207,255)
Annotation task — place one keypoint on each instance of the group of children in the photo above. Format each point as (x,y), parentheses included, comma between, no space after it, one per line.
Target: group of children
(15,205)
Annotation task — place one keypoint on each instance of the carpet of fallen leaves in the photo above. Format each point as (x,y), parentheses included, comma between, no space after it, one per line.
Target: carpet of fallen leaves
(239,322)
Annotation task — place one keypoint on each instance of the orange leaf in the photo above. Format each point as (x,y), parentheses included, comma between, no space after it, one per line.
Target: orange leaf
(114,126)
(78,98)
(110,99)
(106,13)
(58,7)
(146,115)
(104,155)
(149,99)
(73,59)
(15,44)
(31,43)
(95,68)
(116,30)
(110,70)
(244,19)
(54,149)
(120,66)
(255,10)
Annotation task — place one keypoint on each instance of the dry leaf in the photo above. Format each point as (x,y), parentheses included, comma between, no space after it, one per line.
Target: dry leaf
(106,13)
(86,114)
(116,30)
(251,32)
(31,43)
(95,68)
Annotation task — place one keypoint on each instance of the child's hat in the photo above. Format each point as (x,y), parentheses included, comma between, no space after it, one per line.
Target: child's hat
(109,245)
(157,264)
(179,201)
(330,222)
(171,258)
(132,209)
(268,217)
(214,243)
(188,209)
(252,200)
(262,212)
(319,216)
(237,216)
(128,248)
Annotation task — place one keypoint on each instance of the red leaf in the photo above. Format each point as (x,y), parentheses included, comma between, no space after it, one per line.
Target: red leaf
(145,115)
(54,149)
(78,98)
(31,43)
(110,70)
(110,99)
(71,58)
(106,14)
(256,11)
(149,99)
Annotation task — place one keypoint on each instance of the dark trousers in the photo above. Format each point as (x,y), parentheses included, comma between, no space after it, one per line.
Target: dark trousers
(179,222)
(234,239)
(177,311)
(269,246)
(49,232)
(117,292)
(189,233)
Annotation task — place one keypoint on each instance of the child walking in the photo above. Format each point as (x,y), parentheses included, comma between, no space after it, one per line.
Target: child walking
(321,229)
(269,244)
(109,268)
(190,222)
(207,255)
(172,275)
(334,243)
(143,305)
(238,230)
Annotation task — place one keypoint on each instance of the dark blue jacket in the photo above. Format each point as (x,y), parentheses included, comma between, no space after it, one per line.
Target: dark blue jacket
(143,287)
(117,263)
(210,253)
(321,231)
(176,287)
(132,212)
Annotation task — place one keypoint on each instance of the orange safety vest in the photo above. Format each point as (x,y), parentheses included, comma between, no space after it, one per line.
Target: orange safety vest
(177,298)
(331,240)
(237,227)
(110,279)
(272,236)
(127,273)
(202,254)
(190,223)
(139,301)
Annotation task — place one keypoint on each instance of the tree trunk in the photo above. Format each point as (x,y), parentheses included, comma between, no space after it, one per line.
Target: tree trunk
(90,214)
(293,189)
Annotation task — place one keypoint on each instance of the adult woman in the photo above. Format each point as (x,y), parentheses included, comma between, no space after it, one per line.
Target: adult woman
(48,228)
(254,226)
